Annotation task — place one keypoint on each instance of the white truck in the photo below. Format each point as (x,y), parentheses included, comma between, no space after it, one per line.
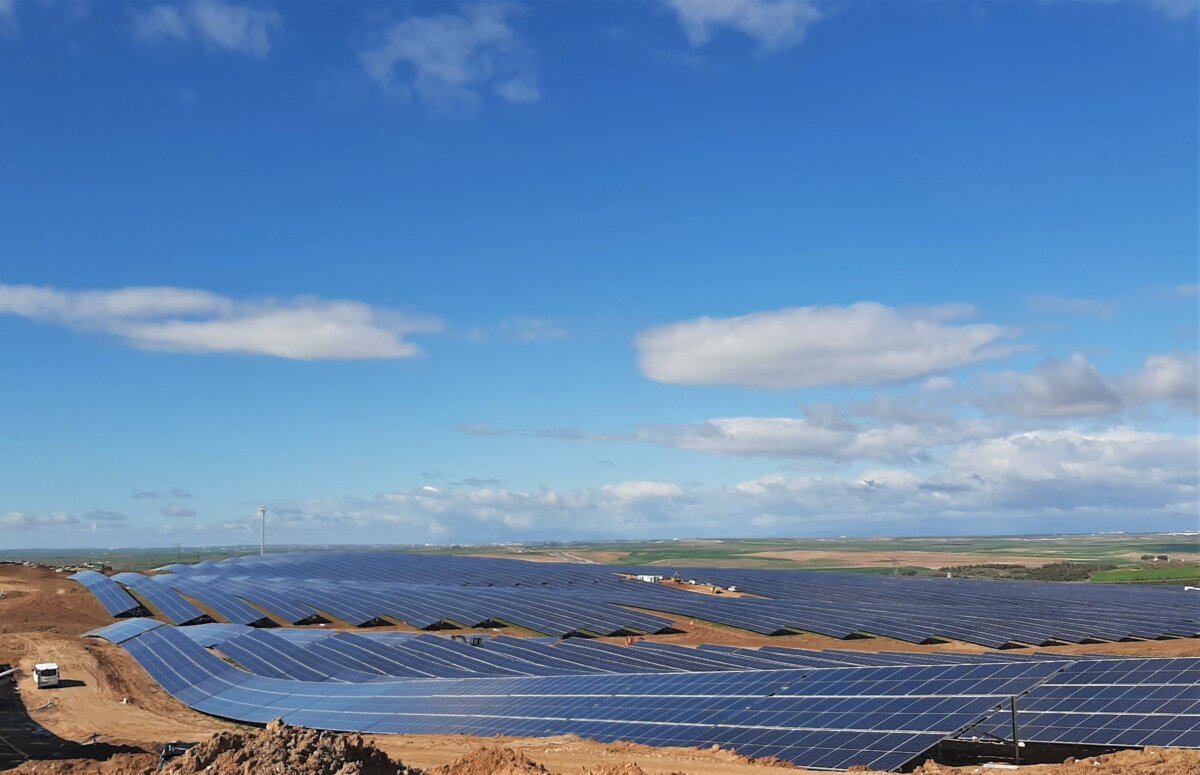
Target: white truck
(45,675)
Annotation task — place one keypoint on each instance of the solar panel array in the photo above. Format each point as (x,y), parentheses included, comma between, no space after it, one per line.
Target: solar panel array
(115,600)
(317,655)
(559,599)
(1123,702)
(819,709)
(160,597)
(880,716)
(1091,700)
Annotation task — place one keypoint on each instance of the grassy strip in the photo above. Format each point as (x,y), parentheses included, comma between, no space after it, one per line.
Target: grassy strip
(1188,572)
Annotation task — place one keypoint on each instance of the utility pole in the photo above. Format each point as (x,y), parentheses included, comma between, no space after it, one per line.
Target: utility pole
(178,552)
(1016,739)
(262,512)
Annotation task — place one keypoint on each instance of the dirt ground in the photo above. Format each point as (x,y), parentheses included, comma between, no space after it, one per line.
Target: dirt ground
(107,699)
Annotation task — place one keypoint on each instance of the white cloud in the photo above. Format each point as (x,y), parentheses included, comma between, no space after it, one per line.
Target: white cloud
(1073,387)
(774,24)
(1041,480)
(175,510)
(1058,388)
(448,60)
(19,520)
(1189,291)
(636,491)
(825,435)
(1119,468)
(862,344)
(212,23)
(191,321)
(1166,378)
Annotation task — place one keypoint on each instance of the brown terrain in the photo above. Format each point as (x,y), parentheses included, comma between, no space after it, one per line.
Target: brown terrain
(109,718)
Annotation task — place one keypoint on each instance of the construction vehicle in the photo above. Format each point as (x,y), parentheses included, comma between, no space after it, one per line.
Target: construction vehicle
(45,675)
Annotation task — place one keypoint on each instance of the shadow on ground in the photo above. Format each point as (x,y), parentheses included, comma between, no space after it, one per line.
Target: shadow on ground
(22,738)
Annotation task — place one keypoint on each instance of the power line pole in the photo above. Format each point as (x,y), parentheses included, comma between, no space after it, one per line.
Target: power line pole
(262,512)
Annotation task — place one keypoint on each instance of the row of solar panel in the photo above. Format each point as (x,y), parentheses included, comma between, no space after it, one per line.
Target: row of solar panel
(558,599)
(162,593)
(325,655)
(882,717)
(425,609)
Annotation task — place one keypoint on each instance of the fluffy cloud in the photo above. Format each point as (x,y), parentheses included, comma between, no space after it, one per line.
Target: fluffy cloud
(212,23)
(1073,387)
(862,344)
(1116,469)
(448,60)
(18,520)
(826,434)
(1084,481)
(774,24)
(1166,378)
(1058,388)
(636,491)
(192,321)
(175,510)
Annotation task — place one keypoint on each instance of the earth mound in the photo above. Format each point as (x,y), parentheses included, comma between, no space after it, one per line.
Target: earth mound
(494,760)
(283,749)
(629,768)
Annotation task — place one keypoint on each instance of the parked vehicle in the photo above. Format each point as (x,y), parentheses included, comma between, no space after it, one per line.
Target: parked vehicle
(45,675)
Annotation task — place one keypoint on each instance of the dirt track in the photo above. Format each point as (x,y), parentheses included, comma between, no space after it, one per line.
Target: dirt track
(107,697)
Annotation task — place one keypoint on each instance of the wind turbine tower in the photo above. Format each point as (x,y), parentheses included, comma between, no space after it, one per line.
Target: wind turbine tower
(262,549)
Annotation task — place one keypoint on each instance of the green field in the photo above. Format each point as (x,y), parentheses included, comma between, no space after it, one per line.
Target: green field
(1149,575)
(1118,554)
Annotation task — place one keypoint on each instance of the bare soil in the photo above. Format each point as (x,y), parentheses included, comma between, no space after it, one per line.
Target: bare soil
(108,701)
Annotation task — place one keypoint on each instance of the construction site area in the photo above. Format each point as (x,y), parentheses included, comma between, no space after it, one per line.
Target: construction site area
(107,715)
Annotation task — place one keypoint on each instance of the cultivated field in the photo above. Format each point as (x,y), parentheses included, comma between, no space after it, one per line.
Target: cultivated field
(1119,555)
(864,555)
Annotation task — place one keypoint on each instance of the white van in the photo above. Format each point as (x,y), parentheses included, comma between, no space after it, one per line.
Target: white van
(45,675)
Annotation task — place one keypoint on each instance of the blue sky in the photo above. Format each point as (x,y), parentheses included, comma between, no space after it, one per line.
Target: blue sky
(420,272)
